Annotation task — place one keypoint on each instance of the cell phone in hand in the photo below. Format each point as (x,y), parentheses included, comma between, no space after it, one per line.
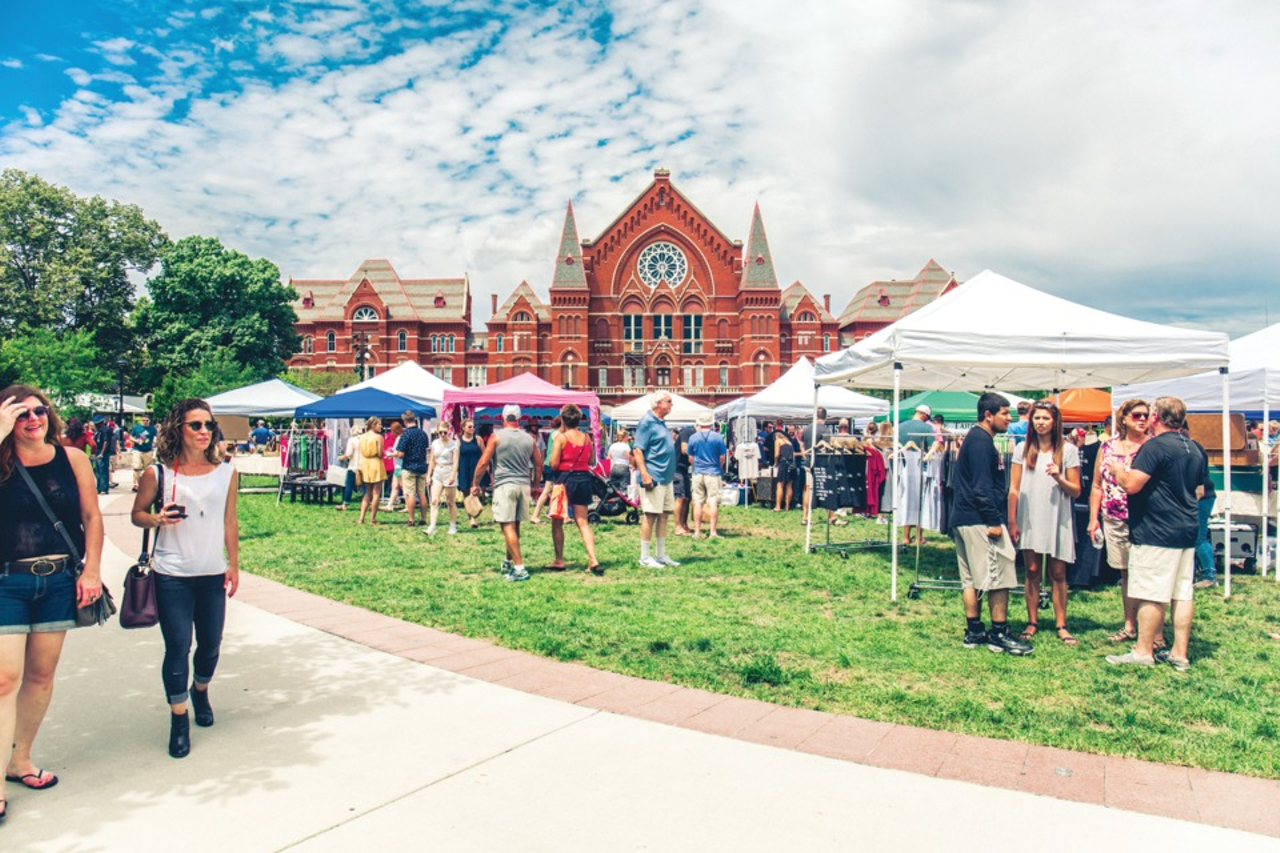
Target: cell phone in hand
(176,510)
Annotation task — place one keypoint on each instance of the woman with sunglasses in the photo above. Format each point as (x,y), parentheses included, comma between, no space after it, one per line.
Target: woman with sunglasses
(197,557)
(41,581)
(373,469)
(1045,480)
(1109,505)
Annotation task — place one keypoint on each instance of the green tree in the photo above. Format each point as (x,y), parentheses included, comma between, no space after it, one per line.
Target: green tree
(207,300)
(217,372)
(62,364)
(66,261)
(320,382)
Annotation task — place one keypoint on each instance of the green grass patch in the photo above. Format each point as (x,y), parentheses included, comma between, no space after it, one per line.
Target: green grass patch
(752,615)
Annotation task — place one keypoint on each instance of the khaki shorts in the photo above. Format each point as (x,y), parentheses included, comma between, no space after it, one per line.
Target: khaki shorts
(659,500)
(412,482)
(1161,574)
(511,502)
(141,460)
(984,563)
(706,489)
(1116,535)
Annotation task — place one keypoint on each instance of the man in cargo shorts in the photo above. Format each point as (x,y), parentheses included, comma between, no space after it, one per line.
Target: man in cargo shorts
(144,447)
(655,459)
(1163,526)
(517,465)
(984,551)
(707,452)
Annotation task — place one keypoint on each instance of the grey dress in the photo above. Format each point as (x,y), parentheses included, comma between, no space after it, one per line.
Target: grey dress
(1044,509)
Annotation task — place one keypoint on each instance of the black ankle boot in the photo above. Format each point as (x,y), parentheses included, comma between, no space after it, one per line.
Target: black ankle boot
(204,711)
(179,735)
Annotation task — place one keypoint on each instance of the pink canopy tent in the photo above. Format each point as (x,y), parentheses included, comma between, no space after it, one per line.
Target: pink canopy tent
(528,392)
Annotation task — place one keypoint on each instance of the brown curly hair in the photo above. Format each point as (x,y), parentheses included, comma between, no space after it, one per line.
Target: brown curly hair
(52,435)
(169,436)
(1122,428)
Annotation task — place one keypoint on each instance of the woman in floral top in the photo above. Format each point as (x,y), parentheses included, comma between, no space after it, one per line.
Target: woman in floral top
(1109,503)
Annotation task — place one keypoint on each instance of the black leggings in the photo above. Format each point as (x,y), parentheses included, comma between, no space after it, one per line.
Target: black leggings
(186,603)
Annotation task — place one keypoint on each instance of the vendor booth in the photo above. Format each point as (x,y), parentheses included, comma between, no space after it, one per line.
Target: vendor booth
(1083,405)
(683,410)
(963,341)
(409,380)
(528,392)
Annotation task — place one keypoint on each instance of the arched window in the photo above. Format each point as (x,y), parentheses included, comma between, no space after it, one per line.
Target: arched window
(365,314)
(331,340)
(724,375)
(521,317)
(602,329)
(722,330)
(807,317)
(307,345)
(402,341)
(451,343)
(498,345)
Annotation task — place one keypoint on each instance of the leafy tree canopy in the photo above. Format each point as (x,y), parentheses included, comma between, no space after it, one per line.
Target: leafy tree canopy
(318,381)
(210,300)
(65,261)
(219,371)
(62,364)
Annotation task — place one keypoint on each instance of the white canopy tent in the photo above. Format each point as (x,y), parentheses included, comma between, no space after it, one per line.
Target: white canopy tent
(409,380)
(790,397)
(993,332)
(274,398)
(1255,391)
(683,410)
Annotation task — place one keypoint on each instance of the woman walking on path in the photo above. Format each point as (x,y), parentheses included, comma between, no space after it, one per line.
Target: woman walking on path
(571,457)
(41,583)
(197,558)
(372,468)
(1045,480)
(442,474)
(1109,505)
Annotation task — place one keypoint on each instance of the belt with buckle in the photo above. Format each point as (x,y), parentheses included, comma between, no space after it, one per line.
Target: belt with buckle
(40,567)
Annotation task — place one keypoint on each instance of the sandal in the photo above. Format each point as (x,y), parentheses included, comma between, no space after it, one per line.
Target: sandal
(1065,636)
(4,810)
(38,781)
(597,570)
(1030,631)
(1124,635)
(552,567)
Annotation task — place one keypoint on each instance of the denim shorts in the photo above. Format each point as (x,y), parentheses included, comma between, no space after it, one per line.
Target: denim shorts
(34,603)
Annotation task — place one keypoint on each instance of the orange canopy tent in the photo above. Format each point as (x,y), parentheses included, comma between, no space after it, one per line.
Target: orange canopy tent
(1083,405)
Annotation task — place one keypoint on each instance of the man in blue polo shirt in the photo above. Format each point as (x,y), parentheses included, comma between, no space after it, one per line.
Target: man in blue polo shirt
(655,458)
(707,452)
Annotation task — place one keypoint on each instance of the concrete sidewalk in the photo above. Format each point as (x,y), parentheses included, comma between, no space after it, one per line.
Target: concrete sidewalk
(324,743)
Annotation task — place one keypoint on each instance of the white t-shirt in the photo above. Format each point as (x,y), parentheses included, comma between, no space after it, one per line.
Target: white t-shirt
(445,456)
(620,455)
(196,545)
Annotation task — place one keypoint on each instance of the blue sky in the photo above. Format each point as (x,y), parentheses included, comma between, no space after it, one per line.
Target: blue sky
(1119,154)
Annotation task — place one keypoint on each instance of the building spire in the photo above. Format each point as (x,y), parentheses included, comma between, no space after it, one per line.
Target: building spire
(569,272)
(757,260)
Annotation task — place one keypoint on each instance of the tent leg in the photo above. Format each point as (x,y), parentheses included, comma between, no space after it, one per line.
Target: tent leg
(1266,484)
(807,508)
(1226,479)
(897,452)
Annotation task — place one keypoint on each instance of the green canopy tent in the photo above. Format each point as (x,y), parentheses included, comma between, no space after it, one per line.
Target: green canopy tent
(955,406)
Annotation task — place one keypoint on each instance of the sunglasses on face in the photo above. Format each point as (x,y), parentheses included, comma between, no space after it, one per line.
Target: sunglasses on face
(1047,407)
(199,426)
(1139,416)
(38,411)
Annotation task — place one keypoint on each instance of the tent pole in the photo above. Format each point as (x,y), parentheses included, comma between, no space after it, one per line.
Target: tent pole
(1226,478)
(897,451)
(1266,478)
(813,457)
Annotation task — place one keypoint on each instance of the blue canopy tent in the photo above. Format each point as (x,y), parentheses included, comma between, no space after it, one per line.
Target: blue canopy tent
(364,403)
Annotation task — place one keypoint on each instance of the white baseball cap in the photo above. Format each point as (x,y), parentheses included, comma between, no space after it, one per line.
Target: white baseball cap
(923,408)
(511,412)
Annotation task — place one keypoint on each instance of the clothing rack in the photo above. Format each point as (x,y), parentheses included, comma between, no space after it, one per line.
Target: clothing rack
(824,493)
(305,455)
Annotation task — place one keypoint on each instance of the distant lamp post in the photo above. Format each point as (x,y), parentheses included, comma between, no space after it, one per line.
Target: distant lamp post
(360,343)
(122,365)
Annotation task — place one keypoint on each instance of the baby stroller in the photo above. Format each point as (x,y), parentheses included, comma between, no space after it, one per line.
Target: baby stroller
(609,502)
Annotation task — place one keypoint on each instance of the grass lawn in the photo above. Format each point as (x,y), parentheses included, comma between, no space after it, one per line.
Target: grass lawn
(752,615)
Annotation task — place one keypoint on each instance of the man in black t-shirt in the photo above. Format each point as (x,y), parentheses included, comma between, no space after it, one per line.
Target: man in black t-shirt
(979,526)
(1163,524)
(683,480)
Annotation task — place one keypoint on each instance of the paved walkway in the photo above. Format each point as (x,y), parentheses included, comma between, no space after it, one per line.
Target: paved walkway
(340,729)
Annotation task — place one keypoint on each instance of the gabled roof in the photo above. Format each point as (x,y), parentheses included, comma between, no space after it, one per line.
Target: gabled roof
(791,298)
(540,308)
(569,271)
(404,298)
(757,260)
(662,176)
(889,301)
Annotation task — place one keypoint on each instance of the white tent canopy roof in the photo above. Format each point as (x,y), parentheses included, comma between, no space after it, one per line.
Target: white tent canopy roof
(1255,376)
(992,332)
(409,380)
(791,397)
(273,398)
(683,410)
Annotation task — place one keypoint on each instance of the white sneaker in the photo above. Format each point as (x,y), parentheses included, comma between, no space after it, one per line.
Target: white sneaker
(667,561)
(431,531)
(650,563)
(453,529)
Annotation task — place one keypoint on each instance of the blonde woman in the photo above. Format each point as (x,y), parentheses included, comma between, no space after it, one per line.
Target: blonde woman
(373,469)
(442,474)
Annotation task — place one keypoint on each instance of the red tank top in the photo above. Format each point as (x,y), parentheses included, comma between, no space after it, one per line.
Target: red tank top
(575,457)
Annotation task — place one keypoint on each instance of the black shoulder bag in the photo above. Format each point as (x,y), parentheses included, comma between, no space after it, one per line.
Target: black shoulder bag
(96,612)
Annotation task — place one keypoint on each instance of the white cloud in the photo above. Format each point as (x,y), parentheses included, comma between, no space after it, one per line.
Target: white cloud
(1122,155)
(11,63)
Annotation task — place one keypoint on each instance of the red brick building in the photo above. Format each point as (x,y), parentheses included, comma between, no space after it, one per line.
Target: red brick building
(661,298)
(883,302)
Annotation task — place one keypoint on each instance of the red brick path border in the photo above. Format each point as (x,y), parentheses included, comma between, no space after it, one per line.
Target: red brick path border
(1205,796)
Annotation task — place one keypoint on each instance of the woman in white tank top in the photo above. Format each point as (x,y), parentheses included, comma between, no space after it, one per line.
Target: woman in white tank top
(197,556)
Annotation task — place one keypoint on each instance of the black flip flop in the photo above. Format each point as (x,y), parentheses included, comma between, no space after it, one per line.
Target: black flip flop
(38,775)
